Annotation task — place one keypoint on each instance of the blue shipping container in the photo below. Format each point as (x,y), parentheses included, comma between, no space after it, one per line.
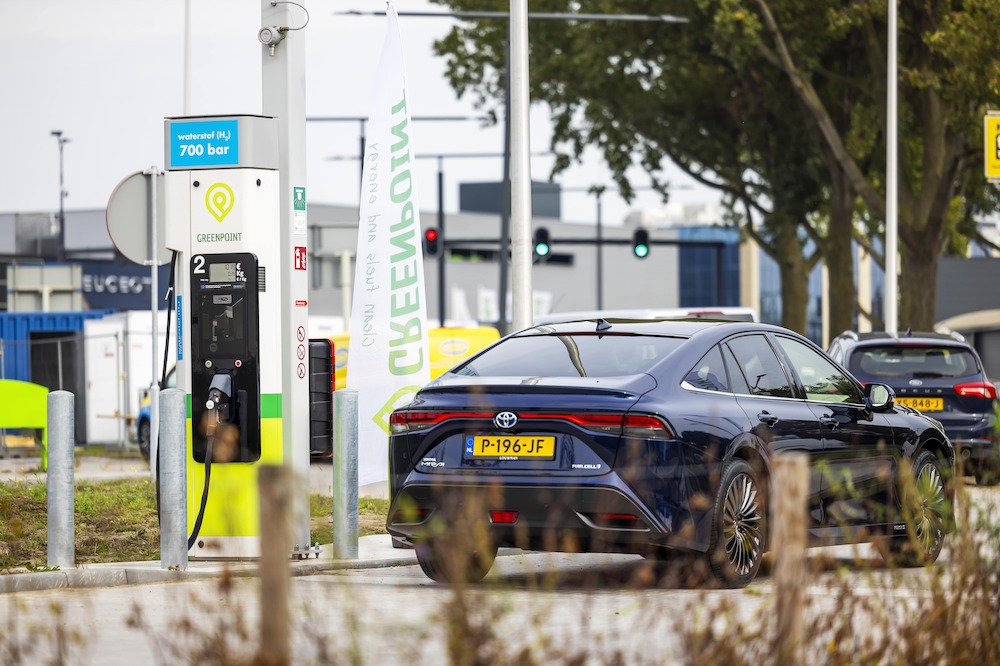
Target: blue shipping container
(15,336)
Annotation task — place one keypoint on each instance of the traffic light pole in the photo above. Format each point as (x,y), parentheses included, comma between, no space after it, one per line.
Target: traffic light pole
(719,246)
(441,253)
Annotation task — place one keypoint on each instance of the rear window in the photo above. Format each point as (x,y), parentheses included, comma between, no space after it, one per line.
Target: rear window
(571,355)
(913,362)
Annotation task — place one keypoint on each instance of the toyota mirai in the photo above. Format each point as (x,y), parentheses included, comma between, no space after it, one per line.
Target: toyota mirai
(651,436)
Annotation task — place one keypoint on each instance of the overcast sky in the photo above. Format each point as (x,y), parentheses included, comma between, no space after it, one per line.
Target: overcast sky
(107,72)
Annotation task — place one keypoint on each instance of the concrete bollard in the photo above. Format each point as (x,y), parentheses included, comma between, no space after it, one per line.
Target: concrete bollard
(173,479)
(61,547)
(788,531)
(345,474)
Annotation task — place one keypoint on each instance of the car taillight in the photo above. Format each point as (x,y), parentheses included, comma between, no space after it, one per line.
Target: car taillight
(403,421)
(609,423)
(646,427)
(977,390)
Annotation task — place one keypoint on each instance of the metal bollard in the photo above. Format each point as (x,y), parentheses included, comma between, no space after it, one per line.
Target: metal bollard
(173,479)
(61,548)
(345,474)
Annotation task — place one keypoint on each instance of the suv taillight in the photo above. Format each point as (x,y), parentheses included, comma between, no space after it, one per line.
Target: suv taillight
(977,390)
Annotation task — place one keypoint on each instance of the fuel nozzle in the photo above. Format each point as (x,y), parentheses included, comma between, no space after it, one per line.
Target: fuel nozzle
(220,395)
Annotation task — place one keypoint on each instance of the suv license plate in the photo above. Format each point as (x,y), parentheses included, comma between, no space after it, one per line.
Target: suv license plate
(510,447)
(923,404)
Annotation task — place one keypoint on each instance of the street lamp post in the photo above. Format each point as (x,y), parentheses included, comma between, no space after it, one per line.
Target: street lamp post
(58,134)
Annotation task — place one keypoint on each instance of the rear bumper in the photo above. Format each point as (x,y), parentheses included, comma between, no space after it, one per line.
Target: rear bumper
(974,443)
(591,516)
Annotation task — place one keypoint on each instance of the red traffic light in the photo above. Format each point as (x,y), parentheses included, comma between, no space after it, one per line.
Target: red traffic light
(431,242)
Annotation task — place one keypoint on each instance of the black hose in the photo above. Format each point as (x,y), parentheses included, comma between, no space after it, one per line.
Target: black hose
(204,492)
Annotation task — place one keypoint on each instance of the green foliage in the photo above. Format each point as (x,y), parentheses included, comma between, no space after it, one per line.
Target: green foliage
(765,99)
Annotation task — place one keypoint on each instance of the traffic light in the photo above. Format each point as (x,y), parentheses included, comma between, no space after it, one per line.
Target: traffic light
(640,243)
(542,242)
(431,242)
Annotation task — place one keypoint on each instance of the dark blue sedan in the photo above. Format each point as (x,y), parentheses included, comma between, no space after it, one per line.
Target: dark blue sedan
(647,436)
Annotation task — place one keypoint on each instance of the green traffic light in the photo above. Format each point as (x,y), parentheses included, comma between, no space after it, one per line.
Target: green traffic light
(641,250)
(541,249)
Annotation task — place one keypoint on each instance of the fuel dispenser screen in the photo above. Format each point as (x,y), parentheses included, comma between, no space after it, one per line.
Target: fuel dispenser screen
(222,272)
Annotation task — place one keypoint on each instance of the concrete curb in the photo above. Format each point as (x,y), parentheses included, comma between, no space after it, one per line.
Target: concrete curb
(376,552)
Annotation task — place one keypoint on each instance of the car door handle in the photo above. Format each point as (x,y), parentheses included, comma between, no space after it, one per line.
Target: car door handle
(829,421)
(769,419)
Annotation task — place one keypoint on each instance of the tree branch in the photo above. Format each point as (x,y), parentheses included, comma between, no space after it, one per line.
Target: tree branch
(809,97)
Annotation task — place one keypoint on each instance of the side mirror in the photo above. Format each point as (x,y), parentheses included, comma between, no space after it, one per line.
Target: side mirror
(880,397)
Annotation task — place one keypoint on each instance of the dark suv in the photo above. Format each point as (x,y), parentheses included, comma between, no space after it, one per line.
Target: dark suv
(940,375)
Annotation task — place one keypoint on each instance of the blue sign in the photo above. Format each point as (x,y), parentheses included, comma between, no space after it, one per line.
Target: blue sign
(200,143)
(180,329)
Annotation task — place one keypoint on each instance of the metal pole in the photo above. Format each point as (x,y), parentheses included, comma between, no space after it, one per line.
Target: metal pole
(154,386)
(61,551)
(187,57)
(59,362)
(890,306)
(62,196)
(505,200)
(520,133)
(283,88)
(598,191)
(173,480)
(345,474)
(441,243)
(719,292)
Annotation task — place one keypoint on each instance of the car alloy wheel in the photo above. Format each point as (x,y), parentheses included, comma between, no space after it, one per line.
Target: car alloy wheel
(741,522)
(924,506)
(931,498)
(738,540)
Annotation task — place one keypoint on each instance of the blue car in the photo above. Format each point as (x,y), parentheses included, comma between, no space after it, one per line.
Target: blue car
(142,428)
(655,436)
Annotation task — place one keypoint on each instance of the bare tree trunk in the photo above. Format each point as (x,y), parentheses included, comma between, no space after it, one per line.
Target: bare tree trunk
(838,254)
(794,276)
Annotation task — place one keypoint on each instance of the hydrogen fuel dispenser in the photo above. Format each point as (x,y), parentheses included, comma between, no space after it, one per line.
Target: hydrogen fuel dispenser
(234,338)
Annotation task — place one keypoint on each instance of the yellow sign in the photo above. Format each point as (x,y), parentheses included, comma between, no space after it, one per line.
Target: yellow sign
(991,134)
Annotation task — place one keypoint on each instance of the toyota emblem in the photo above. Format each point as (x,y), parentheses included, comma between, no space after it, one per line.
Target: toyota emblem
(505,420)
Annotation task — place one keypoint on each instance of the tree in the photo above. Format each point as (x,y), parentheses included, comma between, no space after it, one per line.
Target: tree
(656,93)
(947,79)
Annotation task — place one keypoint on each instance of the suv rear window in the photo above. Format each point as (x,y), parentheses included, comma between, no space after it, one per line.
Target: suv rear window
(916,362)
(571,355)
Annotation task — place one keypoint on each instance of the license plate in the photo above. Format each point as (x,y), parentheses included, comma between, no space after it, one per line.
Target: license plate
(923,404)
(510,447)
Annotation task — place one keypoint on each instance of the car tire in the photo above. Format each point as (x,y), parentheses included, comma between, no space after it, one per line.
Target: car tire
(442,563)
(738,539)
(927,499)
(144,435)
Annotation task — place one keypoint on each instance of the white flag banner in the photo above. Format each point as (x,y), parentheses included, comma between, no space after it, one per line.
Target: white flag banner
(390,354)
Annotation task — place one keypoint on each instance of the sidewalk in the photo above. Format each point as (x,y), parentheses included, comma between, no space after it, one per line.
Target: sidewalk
(374,552)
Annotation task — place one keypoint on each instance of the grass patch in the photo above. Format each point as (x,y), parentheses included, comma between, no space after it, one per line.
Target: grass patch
(116,521)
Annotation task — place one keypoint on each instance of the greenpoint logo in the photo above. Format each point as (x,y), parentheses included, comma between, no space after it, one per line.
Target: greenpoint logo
(219,200)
